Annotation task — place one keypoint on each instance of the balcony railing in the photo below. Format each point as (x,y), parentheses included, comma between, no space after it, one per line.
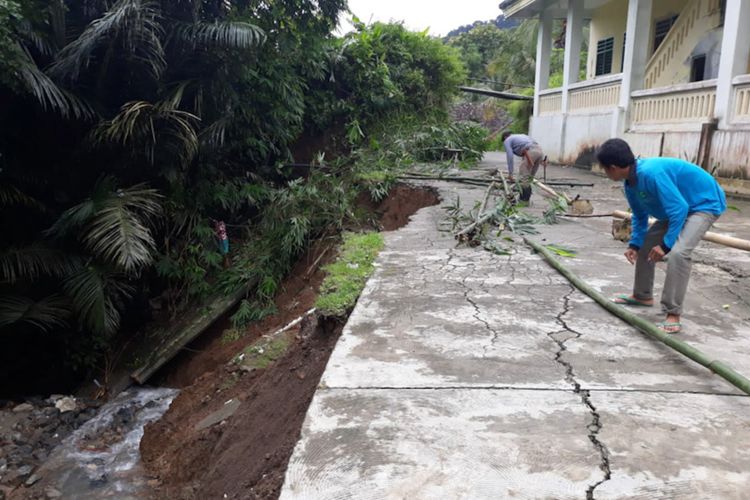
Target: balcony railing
(741,112)
(601,94)
(684,106)
(592,96)
(550,101)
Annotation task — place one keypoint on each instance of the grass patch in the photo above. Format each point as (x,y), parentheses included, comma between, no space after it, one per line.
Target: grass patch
(263,353)
(348,275)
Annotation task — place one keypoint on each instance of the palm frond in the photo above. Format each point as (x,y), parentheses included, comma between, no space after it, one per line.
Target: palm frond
(11,196)
(35,260)
(97,297)
(140,123)
(114,224)
(213,135)
(33,37)
(45,314)
(49,94)
(133,23)
(228,34)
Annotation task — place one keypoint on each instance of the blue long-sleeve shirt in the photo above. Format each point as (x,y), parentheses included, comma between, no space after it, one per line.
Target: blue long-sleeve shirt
(670,189)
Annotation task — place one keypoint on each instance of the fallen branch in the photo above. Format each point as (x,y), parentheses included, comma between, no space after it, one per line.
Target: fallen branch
(718,367)
(728,241)
(480,218)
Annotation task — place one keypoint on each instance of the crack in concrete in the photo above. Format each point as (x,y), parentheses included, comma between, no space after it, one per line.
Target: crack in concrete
(477,311)
(595,426)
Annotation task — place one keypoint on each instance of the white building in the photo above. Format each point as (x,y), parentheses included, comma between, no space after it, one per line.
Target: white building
(672,77)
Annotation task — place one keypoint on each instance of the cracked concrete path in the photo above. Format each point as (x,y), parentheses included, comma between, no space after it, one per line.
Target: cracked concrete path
(463,374)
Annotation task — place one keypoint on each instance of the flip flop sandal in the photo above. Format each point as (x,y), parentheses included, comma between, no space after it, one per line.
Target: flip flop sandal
(669,326)
(627,300)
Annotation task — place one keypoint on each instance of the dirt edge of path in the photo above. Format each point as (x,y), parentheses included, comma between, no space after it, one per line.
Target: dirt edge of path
(246,455)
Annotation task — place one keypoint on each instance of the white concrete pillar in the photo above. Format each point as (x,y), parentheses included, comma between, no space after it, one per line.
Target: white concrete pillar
(543,50)
(735,51)
(635,60)
(573,36)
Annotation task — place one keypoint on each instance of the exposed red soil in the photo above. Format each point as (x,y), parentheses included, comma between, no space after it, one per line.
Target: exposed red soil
(246,455)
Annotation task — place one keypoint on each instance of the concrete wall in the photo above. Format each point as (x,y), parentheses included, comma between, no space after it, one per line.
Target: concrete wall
(547,131)
(644,144)
(730,153)
(609,20)
(583,133)
(683,145)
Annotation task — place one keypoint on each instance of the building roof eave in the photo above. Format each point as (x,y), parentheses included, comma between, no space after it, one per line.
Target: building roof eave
(520,8)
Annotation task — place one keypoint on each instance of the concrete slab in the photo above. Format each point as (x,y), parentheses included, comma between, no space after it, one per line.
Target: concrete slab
(462,444)
(464,374)
(674,445)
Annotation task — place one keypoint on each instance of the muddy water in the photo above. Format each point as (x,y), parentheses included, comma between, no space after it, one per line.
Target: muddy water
(101,459)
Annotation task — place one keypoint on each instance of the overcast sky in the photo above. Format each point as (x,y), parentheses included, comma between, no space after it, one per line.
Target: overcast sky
(441,16)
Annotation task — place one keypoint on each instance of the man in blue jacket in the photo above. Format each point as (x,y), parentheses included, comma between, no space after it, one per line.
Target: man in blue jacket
(685,199)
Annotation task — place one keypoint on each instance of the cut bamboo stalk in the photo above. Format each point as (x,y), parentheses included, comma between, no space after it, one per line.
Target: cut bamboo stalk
(728,241)
(718,367)
(481,220)
(487,196)
(551,191)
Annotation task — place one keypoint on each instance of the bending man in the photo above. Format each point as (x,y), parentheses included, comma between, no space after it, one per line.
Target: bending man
(685,199)
(527,148)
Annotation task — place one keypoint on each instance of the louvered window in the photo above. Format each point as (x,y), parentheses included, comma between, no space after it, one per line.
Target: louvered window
(661,28)
(604,51)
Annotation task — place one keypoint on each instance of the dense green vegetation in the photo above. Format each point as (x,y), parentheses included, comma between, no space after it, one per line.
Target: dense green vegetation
(504,59)
(129,127)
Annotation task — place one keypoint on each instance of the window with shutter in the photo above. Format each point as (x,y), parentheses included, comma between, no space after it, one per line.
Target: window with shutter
(661,28)
(604,51)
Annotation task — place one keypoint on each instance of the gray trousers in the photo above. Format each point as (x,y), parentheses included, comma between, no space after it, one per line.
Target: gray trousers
(528,171)
(679,261)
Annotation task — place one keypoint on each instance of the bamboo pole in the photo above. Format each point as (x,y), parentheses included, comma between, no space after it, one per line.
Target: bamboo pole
(551,191)
(729,241)
(487,196)
(718,367)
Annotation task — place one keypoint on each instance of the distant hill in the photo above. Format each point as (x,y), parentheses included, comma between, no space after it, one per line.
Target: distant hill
(499,21)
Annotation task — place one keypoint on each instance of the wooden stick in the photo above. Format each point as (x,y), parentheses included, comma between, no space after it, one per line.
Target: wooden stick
(609,214)
(728,241)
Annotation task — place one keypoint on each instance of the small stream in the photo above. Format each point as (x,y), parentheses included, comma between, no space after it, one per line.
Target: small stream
(101,459)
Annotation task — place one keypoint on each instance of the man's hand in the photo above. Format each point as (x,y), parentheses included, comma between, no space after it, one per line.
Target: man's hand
(632,255)
(656,254)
